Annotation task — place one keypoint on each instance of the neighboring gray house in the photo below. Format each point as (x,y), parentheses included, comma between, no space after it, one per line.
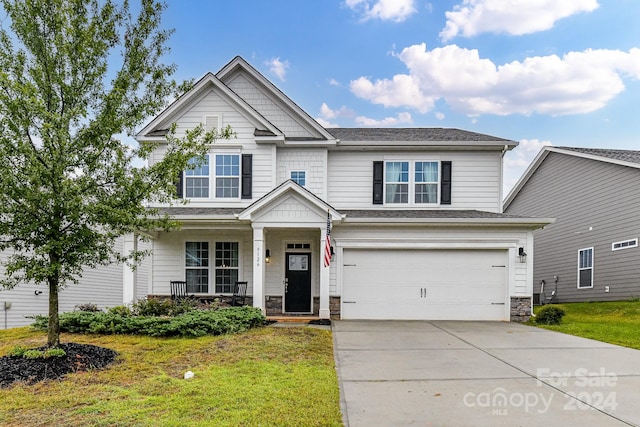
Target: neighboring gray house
(591,252)
(418,230)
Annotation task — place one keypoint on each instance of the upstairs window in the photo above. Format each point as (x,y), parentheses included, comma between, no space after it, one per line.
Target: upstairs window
(397,182)
(426,182)
(197,179)
(585,268)
(227,176)
(300,177)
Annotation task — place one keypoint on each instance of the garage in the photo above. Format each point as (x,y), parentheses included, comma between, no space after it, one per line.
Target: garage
(420,284)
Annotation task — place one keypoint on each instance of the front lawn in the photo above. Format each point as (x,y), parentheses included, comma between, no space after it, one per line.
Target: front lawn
(266,376)
(613,322)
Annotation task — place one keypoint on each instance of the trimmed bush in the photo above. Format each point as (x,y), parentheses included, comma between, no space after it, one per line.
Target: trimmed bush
(549,315)
(195,323)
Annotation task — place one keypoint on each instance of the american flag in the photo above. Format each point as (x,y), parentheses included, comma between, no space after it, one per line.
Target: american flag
(327,246)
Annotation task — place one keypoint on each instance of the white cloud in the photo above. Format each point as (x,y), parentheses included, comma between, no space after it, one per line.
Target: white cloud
(578,82)
(325,123)
(402,118)
(334,82)
(517,160)
(439,115)
(473,17)
(384,10)
(279,68)
(328,114)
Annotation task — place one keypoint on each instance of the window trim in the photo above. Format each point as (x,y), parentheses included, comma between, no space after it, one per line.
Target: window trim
(207,268)
(215,176)
(208,176)
(411,183)
(633,243)
(586,268)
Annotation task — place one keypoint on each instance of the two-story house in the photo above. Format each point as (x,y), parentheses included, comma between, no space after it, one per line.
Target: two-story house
(417,228)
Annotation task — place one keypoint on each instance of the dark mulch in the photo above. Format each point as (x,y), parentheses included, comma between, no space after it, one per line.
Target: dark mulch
(79,357)
(324,322)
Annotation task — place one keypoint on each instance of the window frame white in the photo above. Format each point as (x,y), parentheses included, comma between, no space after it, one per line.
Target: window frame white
(298,171)
(591,267)
(215,267)
(191,174)
(206,267)
(632,243)
(412,182)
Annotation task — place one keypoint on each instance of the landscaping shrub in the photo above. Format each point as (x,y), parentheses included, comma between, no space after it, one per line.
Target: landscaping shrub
(87,307)
(549,315)
(151,307)
(121,310)
(194,323)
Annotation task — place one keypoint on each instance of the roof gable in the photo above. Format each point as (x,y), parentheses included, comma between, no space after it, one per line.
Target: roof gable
(271,102)
(159,126)
(627,158)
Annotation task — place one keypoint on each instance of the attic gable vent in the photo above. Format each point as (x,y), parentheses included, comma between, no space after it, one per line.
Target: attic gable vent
(212,123)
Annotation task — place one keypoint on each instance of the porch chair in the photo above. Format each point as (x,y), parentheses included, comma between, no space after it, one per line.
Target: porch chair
(239,294)
(178,290)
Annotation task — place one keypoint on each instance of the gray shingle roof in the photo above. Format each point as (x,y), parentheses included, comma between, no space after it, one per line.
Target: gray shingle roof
(410,134)
(631,156)
(427,214)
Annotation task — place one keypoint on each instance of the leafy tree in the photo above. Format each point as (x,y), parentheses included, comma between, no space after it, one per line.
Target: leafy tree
(75,74)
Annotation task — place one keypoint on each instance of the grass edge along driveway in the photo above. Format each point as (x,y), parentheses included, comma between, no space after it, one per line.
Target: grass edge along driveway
(614,322)
(266,376)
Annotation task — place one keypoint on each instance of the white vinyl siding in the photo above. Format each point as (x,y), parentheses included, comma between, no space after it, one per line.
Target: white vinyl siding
(585,268)
(476,182)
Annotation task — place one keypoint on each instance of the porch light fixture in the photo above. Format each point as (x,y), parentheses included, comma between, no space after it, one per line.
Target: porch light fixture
(267,257)
(522,254)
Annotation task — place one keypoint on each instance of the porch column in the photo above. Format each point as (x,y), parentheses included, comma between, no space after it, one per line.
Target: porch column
(258,268)
(129,277)
(325,312)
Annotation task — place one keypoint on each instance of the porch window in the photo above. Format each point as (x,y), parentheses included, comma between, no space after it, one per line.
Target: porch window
(197,179)
(585,268)
(227,176)
(197,267)
(426,182)
(226,266)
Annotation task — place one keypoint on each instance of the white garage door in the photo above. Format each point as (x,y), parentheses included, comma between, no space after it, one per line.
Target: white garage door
(424,284)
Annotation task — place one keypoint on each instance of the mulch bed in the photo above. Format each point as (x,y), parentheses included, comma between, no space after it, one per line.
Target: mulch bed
(79,357)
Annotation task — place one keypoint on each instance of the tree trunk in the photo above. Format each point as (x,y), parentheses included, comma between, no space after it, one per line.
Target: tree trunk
(53,335)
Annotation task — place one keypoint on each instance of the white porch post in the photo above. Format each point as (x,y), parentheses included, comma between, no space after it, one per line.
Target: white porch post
(258,268)
(128,276)
(325,312)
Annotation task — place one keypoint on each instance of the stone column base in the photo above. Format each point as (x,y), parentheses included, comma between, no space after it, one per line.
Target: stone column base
(520,309)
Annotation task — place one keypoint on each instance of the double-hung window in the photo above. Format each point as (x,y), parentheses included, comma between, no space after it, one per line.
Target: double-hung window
(197,267)
(426,182)
(197,178)
(226,266)
(585,268)
(227,175)
(397,182)
(412,183)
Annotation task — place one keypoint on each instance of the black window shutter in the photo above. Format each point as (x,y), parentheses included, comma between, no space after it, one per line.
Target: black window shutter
(378,182)
(445,183)
(246,176)
(180,185)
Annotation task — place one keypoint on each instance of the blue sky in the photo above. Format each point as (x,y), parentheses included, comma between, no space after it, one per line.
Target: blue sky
(564,73)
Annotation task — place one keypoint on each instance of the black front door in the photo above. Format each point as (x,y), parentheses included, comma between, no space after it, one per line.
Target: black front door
(297,289)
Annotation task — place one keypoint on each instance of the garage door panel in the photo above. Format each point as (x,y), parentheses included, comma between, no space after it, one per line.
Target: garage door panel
(424,284)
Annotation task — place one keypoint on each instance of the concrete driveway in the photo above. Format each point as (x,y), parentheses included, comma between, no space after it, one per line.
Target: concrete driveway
(448,373)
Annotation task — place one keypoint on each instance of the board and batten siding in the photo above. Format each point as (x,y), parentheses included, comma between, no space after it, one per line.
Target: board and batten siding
(595,204)
(475,178)
(265,105)
(169,256)
(263,156)
(101,286)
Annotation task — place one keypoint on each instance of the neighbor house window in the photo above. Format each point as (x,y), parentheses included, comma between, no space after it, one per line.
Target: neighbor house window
(585,268)
(227,176)
(197,178)
(616,246)
(397,182)
(300,177)
(226,266)
(197,267)
(426,182)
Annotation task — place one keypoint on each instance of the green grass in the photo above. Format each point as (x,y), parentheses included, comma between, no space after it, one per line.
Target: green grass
(266,377)
(613,322)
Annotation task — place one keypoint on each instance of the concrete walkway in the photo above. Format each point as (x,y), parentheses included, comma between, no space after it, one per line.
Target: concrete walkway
(448,373)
